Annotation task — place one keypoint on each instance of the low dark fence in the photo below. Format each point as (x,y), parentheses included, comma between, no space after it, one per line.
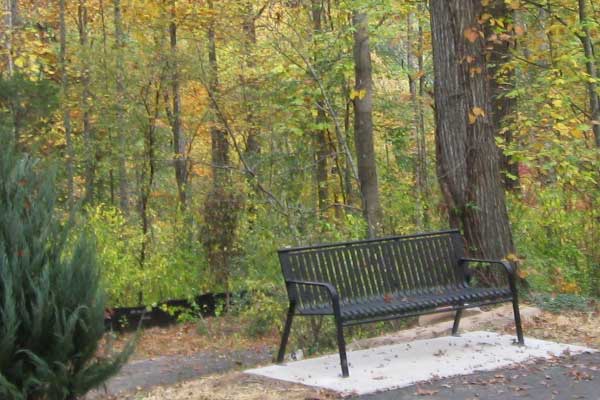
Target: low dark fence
(166,313)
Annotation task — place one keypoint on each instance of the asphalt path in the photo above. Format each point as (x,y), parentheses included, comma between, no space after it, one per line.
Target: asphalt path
(565,378)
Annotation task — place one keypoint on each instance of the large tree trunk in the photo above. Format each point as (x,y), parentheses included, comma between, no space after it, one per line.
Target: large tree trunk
(467,156)
(590,66)
(179,141)
(363,124)
(62,60)
(120,104)
(502,82)
(88,132)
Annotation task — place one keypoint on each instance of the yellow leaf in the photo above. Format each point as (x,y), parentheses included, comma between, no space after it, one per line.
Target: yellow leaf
(472,118)
(475,113)
(474,70)
(471,34)
(485,3)
(562,128)
(519,30)
(358,94)
(512,257)
(514,4)
(485,17)
(478,111)
(577,134)
(522,274)
(19,62)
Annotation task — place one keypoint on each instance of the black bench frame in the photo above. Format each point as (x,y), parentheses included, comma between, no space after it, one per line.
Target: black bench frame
(450,252)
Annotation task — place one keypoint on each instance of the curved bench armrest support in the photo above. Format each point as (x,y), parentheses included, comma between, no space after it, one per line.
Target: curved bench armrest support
(328,287)
(510,270)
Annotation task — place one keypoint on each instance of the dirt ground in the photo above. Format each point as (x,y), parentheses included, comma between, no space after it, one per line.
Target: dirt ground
(225,334)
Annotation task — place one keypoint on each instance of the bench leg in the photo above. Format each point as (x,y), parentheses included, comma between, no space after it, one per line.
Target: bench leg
(456,322)
(518,326)
(342,347)
(286,332)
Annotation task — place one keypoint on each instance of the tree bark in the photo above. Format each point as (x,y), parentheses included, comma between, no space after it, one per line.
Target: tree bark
(467,156)
(179,140)
(62,60)
(120,104)
(363,124)
(502,81)
(590,66)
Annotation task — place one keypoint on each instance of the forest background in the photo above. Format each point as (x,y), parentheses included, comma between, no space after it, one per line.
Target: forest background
(194,138)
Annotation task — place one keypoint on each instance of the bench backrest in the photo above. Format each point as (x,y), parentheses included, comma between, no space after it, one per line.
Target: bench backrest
(374,268)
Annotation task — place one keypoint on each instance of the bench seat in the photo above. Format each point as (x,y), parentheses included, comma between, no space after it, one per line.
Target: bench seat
(399,304)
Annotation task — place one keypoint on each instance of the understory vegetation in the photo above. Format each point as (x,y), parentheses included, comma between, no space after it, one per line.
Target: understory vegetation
(195,138)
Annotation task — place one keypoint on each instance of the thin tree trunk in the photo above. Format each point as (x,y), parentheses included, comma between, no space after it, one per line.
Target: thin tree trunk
(148,170)
(9,24)
(62,60)
(222,204)
(422,140)
(467,156)
(320,134)
(88,133)
(250,88)
(219,143)
(363,124)
(120,105)
(348,168)
(179,139)
(590,66)
(106,84)
(321,157)
(414,72)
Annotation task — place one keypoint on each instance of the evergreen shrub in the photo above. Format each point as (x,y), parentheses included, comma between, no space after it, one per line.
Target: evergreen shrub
(51,301)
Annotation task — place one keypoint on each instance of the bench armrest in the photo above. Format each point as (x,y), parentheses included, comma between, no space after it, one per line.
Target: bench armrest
(510,270)
(331,290)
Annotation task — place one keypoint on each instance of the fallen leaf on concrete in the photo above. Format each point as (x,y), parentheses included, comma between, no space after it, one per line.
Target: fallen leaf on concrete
(425,392)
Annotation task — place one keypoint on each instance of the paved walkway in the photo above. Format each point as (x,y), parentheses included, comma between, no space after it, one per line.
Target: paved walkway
(576,377)
(146,374)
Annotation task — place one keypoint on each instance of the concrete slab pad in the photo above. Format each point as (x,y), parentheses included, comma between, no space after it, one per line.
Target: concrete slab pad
(400,365)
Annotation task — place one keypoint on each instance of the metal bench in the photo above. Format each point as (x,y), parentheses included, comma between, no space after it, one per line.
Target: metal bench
(383,279)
